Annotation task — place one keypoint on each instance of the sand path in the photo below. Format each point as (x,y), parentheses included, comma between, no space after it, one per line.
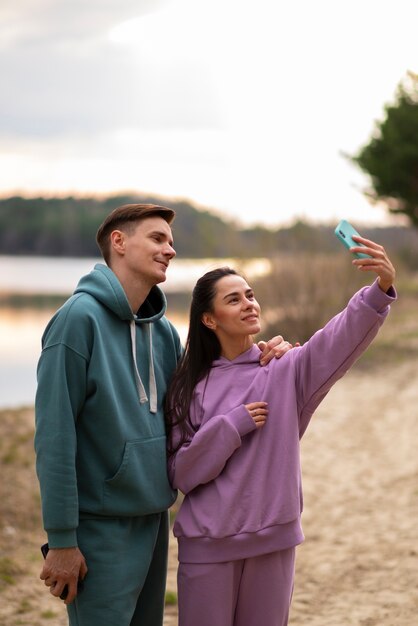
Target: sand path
(359,563)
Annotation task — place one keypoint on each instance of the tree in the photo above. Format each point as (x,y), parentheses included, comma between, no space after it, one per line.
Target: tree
(391,156)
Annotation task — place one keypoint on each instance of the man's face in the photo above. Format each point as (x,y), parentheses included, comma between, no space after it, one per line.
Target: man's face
(149,250)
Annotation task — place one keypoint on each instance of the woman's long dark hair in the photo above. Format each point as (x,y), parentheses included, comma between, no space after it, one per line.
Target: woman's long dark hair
(202,347)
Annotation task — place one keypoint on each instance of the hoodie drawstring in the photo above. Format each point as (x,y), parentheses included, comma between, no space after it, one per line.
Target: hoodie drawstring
(152,382)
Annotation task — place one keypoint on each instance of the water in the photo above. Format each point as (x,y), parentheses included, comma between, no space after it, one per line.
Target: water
(49,275)
(21,327)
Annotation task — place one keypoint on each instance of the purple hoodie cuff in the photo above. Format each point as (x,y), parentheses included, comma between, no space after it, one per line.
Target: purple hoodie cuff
(242,420)
(378,299)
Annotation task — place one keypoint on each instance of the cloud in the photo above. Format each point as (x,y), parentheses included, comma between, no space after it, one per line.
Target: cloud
(63,73)
(31,22)
(233,103)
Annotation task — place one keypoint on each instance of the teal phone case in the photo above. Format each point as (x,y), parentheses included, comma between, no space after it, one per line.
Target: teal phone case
(344,232)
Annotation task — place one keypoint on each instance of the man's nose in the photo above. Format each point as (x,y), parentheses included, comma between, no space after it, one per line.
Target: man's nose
(169,251)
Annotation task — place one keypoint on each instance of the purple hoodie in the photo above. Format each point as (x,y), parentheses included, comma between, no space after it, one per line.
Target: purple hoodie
(242,485)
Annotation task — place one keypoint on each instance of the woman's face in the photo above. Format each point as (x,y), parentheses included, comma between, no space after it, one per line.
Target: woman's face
(235,312)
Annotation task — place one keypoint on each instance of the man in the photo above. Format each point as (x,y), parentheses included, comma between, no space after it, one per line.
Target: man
(108,355)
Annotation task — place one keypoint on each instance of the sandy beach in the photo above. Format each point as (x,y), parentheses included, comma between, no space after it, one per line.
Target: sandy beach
(359,563)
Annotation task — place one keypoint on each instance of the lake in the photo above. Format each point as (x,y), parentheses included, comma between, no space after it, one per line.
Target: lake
(21,327)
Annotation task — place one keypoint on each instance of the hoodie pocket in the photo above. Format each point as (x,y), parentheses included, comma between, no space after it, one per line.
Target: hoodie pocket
(140,486)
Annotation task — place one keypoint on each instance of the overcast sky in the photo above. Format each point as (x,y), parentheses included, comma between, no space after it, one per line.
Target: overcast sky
(244,107)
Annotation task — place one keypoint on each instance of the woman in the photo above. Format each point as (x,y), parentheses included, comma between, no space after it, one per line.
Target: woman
(234,430)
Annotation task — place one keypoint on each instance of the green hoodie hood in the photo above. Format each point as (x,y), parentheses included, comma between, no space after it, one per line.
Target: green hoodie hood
(105,287)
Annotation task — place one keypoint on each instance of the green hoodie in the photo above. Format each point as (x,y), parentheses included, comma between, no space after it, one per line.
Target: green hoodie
(102,377)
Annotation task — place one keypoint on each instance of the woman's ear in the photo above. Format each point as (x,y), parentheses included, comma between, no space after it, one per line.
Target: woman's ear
(208,321)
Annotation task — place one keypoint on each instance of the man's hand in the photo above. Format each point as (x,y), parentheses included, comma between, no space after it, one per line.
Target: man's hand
(63,566)
(273,349)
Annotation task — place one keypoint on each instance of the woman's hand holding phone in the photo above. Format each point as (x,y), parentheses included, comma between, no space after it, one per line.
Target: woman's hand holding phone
(378,263)
(370,256)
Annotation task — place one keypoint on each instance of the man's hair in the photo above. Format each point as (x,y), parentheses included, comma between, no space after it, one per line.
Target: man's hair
(125,218)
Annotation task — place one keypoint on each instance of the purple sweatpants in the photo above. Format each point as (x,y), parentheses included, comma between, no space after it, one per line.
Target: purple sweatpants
(247,592)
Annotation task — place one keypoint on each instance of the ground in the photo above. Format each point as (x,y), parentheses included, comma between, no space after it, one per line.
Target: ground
(359,563)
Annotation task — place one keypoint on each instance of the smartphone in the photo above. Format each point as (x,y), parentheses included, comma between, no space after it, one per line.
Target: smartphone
(64,593)
(344,233)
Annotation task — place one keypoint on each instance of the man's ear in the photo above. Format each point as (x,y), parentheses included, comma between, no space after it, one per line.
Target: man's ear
(208,321)
(117,241)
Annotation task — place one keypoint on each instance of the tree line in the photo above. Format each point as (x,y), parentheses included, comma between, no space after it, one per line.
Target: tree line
(67,227)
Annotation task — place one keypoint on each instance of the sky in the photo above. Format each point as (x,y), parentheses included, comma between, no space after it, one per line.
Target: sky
(244,107)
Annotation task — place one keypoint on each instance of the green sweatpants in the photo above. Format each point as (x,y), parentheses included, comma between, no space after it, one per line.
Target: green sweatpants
(127,567)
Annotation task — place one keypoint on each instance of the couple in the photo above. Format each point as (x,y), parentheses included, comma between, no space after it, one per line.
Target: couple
(110,361)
